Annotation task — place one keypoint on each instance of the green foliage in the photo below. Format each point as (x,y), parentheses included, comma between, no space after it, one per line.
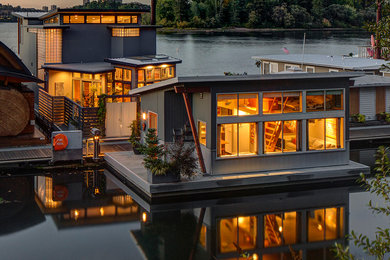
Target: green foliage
(182,158)
(380,186)
(113,6)
(382,33)
(359,118)
(101,113)
(135,136)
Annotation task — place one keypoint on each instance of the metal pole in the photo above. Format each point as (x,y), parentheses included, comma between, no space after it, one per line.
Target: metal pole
(96,147)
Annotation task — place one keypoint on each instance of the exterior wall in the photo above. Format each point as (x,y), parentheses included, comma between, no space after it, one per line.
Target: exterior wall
(266,162)
(387,109)
(386,74)
(317,69)
(86,43)
(354,101)
(154,102)
(57,77)
(145,44)
(380,99)
(175,114)
(28,49)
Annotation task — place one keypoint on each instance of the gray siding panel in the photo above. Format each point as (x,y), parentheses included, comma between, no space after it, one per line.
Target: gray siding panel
(367,101)
(175,114)
(387,109)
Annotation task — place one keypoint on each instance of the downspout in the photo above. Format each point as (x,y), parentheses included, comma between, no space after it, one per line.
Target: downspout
(153,12)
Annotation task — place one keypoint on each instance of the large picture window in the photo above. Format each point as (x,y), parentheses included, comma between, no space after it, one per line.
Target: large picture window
(237,104)
(237,139)
(282,136)
(281,229)
(325,133)
(282,102)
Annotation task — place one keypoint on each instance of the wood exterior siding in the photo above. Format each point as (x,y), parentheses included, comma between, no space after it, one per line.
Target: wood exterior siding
(354,101)
(380,99)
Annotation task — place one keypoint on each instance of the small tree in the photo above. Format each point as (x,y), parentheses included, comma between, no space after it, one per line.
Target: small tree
(182,158)
(154,154)
(379,185)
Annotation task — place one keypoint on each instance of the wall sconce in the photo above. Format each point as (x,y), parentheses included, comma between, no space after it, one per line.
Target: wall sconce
(144,217)
(144,116)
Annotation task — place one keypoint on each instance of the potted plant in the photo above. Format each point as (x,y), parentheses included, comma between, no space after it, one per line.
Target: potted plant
(182,158)
(381,116)
(358,118)
(135,136)
(158,169)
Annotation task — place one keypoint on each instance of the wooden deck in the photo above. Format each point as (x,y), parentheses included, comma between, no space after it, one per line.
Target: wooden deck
(25,154)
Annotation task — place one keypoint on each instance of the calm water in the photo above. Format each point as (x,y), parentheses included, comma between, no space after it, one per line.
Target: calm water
(94,216)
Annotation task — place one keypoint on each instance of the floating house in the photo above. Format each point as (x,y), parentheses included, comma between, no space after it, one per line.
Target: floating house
(255,123)
(86,55)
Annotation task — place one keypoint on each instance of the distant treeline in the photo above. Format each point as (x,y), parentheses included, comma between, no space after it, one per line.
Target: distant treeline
(265,13)
(6,10)
(114,6)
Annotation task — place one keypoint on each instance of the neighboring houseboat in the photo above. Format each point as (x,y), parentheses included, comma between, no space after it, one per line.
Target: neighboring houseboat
(317,63)
(16,101)
(255,123)
(83,55)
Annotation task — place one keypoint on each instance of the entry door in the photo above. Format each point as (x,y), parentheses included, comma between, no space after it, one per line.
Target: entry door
(119,117)
(368,103)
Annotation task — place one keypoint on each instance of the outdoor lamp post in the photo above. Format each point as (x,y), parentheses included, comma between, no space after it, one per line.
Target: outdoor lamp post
(96,146)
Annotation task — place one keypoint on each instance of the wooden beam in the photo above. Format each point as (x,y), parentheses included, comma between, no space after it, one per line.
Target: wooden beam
(182,89)
(194,132)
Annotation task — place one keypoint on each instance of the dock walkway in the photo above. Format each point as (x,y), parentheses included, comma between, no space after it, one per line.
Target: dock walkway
(129,167)
(25,154)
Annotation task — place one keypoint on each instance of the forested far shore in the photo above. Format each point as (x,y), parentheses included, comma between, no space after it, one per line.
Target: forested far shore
(266,13)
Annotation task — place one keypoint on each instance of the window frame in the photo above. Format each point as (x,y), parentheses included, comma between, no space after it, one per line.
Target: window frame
(205,138)
(149,120)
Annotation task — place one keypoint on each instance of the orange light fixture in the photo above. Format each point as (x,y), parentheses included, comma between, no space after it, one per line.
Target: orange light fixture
(144,116)
(144,217)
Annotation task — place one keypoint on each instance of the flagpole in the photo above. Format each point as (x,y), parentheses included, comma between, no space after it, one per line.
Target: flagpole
(303,49)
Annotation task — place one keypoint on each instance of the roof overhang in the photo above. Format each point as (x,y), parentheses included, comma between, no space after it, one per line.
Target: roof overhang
(92,11)
(142,61)
(90,68)
(134,26)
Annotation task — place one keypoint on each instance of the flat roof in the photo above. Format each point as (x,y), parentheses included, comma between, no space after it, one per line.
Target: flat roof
(32,15)
(241,78)
(91,67)
(140,61)
(70,10)
(350,63)
(371,81)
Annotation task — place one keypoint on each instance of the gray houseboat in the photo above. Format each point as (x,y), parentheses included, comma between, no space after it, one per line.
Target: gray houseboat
(255,123)
(83,55)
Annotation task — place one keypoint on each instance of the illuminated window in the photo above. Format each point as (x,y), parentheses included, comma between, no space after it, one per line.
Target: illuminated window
(314,101)
(76,19)
(237,139)
(325,134)
(51,20)
(334,100)
(157,74)
(141,75)
(234,233)
(325,224)
(202,132)
(202,236)
(153,120)
(123,19)
(65,19)
(227,105)
(281,229)
(118,74)
(286,102)
(134,19)
(140,85)
(87,76)
(125,32)
(126,75)
(281,136)
(93,18)
(76,75)
(53,45)
(247,104)
(171,72)
(108,18)
(149,74)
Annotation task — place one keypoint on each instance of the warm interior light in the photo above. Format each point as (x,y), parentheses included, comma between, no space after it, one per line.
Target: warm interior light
(255,257)
(144,217)
(144,116)
(97,191)
(101,212)
(280,229)
(241,220)
(76,214)
(319,227)
(96,137)
(164,65)
(149,67)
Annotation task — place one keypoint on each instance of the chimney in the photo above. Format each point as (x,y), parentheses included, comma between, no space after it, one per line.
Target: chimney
(153,12)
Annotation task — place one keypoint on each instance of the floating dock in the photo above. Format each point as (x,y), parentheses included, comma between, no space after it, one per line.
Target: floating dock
(129,168)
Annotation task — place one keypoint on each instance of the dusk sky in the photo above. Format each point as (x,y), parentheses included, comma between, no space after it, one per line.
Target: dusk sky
(60,3)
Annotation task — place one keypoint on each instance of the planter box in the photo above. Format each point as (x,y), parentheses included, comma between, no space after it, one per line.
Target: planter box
(169,177)
(136,150)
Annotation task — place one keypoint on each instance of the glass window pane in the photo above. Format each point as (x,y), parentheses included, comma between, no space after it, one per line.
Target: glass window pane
(331,224)
(248,104)
(134,19)
(292,102)
(126,75)
(332,133)
(314,101)
(141,75)
(273,137)
(153,120)
(272,103)
(228,235)
(273,230)
(76,75)
(202,236)
(171,72)
(290,136)
(93,19)
(341,221)
(118,74)
(266,68)
(315,225)
(202,132)
(227,140)
(87,76)
(247,232)
(126,89)
(108,19)
(334,100)
(316,134)
(149,75)
(290,228)
(124,19)
(247,139)
(65,19)
(157,74)
(227,105)
(77,19)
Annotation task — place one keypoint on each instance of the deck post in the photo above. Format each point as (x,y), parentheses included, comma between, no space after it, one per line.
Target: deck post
(194,132)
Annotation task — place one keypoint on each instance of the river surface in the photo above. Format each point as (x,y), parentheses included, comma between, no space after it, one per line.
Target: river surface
(92,215)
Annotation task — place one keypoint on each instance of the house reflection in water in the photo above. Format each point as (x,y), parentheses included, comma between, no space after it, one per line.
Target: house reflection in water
(299,225)
(83,199)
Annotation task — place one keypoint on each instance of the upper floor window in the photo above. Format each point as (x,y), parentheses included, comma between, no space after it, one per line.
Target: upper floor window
(125,32)
(52,20)
(282,102)
(127,19)
(108,18)
(328,100)
(93,18)
(118,74)
(74,19)
(237,104)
